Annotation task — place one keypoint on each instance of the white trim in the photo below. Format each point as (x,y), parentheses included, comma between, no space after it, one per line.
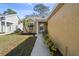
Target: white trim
(13,20)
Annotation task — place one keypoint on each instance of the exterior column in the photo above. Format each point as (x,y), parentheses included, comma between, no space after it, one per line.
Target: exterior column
(11,28)
(5,26)
(0,26)
(37,27)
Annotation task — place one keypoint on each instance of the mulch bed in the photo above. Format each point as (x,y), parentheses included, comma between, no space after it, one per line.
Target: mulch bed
(24,49)
(28,33)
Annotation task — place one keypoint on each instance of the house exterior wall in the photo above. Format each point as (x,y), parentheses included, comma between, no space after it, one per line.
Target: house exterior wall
(14,20)
(29,21)
(63,27)
(10,23)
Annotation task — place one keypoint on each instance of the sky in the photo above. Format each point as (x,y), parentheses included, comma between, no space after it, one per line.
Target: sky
(22,9)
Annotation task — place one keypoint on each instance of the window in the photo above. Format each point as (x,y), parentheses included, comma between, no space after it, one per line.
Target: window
(43,16)
(2,18)
(41,28)
(30,26)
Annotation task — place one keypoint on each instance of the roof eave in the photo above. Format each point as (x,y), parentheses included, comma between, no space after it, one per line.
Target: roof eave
(59,5)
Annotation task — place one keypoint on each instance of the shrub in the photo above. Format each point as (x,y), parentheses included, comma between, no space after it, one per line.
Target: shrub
(18,31)
(53,50)
(50,44)
(46,39)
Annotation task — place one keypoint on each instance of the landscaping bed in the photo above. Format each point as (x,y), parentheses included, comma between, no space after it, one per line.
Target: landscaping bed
(52,47)
(16,45)
(24,49)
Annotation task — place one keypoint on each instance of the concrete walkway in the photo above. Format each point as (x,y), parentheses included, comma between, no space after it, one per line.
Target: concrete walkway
(40,49)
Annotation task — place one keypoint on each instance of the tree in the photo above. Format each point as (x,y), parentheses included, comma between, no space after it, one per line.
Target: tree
(0,14)
(24,26)
(9,11)
(41,9)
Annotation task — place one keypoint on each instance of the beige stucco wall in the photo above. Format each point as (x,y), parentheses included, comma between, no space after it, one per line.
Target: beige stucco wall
(64,28)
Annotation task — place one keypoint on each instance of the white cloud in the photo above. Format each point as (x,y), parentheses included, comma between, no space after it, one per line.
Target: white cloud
(30,4)
(22,13)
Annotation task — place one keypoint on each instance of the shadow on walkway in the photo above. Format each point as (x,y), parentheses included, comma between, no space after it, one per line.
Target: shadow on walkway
(24,49)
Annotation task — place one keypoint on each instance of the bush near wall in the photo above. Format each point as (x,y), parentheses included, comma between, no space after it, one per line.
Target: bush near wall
(53,49)
(18,31)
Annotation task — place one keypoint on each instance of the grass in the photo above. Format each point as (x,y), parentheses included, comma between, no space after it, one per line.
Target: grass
(16,44)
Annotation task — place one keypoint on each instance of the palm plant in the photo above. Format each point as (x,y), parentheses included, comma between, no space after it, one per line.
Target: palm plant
(24,26)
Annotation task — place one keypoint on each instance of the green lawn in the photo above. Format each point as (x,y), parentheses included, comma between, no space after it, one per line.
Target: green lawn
(16,44)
